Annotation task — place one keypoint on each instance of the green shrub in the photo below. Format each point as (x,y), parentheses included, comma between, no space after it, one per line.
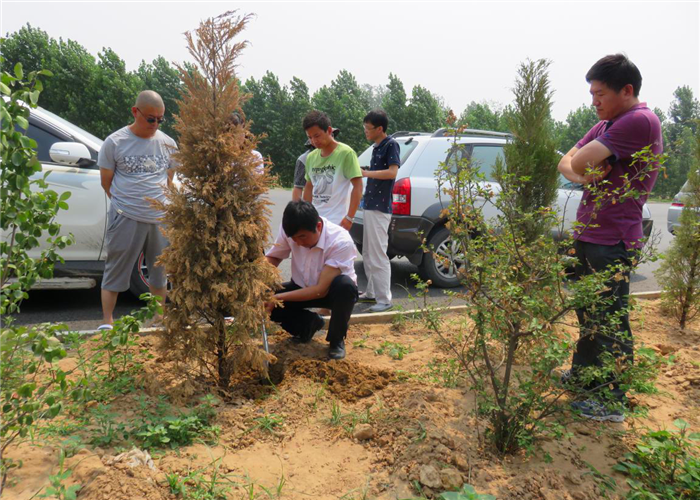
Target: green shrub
(664,465)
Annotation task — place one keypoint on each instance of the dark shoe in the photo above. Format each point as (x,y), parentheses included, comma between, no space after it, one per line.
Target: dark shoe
(316,324)
(337,351)
(597,411)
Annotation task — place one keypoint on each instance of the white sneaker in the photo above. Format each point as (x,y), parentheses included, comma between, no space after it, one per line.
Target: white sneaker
(379,307)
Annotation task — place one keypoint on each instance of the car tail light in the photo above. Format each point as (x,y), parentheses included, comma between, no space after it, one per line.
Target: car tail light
(401,196)
(676,204)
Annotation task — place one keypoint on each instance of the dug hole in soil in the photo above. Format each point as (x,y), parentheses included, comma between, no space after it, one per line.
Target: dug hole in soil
(370,426)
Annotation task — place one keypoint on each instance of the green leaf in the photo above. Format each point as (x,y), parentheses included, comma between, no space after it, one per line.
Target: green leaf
(680,424)
(18,71)
(34,97)
(5,89)
(27,389)
(22,122)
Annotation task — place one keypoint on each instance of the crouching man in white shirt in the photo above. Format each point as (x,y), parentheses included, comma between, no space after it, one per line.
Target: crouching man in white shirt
(323,275)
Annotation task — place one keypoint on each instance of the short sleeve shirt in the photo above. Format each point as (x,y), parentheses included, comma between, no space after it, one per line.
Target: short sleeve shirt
(625,135)
(335,248)
(140,172)
(331,179)
(300,170)
(378,191)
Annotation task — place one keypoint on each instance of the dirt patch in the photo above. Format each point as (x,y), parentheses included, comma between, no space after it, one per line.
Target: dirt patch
(373,426)
(346,379)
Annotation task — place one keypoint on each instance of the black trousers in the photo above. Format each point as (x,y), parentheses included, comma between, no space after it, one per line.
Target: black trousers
(295,317)
(593,342)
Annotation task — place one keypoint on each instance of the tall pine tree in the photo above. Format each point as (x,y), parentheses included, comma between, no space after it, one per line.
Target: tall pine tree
(216,220)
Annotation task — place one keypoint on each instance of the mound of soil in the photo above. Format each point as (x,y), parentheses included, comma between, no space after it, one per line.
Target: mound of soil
(347,380)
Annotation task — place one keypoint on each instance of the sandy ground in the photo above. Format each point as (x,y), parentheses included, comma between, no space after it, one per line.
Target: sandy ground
(403,422)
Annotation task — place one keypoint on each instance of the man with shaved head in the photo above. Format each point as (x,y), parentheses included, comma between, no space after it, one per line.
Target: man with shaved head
(135,166)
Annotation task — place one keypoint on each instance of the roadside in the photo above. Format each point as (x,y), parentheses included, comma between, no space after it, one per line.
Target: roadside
(81,309)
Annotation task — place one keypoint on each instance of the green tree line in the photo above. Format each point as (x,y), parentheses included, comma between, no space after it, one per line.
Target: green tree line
(96,93)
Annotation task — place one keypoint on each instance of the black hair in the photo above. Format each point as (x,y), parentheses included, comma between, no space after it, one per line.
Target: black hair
(235,119)
(318,118)
(377,118)
(616,71)
(299,216)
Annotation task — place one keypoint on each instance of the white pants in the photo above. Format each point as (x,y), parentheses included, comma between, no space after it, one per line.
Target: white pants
(375,238)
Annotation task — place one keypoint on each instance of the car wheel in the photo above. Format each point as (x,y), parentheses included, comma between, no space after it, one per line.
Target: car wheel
(440,265)
(139,277)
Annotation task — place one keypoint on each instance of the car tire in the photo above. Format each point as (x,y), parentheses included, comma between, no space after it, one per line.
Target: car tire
(138,283)
(441,275)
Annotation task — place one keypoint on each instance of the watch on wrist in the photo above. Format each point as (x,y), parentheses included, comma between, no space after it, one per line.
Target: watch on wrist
(348,218)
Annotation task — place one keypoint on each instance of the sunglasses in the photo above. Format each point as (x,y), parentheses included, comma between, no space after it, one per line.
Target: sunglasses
(151,120)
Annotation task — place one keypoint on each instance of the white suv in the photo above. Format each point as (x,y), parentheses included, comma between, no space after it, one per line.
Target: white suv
(417,208)
(69,153)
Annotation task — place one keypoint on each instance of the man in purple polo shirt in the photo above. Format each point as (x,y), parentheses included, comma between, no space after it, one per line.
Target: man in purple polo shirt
(610,228)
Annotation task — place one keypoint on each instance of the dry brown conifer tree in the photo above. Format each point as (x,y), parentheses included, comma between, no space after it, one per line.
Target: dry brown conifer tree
(216,221)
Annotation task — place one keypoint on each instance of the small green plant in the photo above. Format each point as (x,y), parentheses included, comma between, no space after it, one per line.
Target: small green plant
(268,423)
(361,343)
(394,350)
(177,430)
(606,484)
(201,484)
(336,414)
(57,489)
(664,464)
(108,431)
(447,373)
(466,493)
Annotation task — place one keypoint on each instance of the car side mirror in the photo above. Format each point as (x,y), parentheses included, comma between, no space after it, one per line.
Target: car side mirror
(69,153)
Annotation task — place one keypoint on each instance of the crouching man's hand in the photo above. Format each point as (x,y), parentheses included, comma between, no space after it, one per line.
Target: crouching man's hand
(269,307)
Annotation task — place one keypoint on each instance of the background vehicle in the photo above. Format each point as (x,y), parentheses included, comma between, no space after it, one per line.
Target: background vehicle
(69,153)
(674,211)
(417,208)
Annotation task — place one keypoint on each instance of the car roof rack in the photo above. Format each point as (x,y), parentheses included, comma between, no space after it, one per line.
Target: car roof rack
(444,132)
(404,133)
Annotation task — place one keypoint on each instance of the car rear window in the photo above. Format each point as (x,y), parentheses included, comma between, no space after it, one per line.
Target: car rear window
(406,147)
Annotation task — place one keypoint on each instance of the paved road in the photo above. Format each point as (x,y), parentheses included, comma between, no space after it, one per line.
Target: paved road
(80,309)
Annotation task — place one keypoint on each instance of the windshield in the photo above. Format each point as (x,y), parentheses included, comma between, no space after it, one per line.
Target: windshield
(73,128)
(406,146)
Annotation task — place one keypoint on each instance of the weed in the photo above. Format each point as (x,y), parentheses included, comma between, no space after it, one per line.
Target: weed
(108,431)
(466,493)
(606,484)
(57,489)
(268,423)
(393,349)
(360,344)
(447,373)
(201,484)
(336,414)
(664,464)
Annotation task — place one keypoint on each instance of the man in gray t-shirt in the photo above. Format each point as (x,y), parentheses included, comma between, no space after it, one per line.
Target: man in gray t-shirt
(135,166)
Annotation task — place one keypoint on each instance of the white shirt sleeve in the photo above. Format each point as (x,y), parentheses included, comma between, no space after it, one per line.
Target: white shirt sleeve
(342,256)
(280,249)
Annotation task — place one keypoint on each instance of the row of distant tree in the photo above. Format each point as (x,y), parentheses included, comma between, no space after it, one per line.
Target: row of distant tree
(97,94)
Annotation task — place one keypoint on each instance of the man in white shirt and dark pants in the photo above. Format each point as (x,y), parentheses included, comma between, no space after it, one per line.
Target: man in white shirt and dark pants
(323,275)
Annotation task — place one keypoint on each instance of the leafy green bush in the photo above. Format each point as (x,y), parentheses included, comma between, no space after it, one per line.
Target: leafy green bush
(515,286)
(664,465)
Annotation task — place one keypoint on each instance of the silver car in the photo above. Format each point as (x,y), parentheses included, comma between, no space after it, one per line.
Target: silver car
(674,211)
(417,211)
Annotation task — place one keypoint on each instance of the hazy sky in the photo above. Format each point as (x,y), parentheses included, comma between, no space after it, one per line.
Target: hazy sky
(462,51)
